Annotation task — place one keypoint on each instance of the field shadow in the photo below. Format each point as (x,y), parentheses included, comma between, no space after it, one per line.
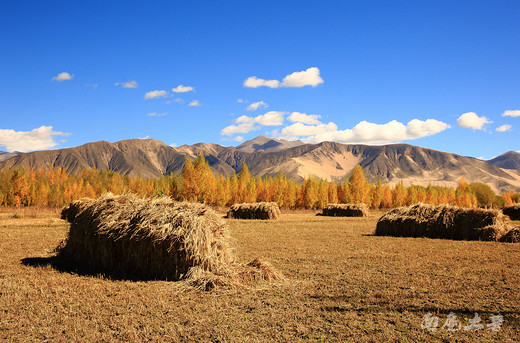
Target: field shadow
(64,266)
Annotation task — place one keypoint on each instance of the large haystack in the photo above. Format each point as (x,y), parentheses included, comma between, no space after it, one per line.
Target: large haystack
(151,239)
(131,237)
(512,211)
(257,210)
(444,221)
(345,210)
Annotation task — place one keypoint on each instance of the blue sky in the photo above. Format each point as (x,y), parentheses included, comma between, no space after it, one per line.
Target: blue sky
(438,74)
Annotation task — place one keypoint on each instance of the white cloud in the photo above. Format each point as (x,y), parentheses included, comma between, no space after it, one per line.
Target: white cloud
(271,118)
(182,89)
(299,129)
(155,114)
(473,121)
(238,138)
(245,124)
(194,103)
(156,94)
(63,77)
(504,128)
(254,82)
(240,128)
(240,101)
(309,77)
(36,139)
(173,145)
(179,100)
(310,119)
(256,105)
(128,84)
(365,132)
(510,113)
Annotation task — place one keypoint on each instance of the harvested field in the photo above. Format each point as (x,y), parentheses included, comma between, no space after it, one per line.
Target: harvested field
(345,285)
(512,211)
(257,210)
(345,210)
(444,221)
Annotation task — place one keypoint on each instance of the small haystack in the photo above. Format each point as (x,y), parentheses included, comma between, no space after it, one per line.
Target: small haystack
(257,210)
(444,221)
(131,237)
(345,210)
(513,211)
(513,236)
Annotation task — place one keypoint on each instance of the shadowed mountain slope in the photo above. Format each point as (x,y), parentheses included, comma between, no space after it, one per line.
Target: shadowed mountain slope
(265,156)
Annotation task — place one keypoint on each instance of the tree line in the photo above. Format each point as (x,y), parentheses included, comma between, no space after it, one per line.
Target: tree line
(56,188)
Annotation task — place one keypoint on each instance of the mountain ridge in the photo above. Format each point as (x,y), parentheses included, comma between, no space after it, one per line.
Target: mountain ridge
(268,156)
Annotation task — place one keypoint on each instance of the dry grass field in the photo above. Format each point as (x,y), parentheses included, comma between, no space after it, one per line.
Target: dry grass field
(343,284)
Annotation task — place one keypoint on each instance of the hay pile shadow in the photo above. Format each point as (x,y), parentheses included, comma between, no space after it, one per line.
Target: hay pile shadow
(257,210)
(444,221)
(512,211)
(128,237)
(345,210)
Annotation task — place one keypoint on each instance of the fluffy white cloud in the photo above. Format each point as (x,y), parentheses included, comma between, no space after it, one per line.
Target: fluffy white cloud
(155,95)
(194,103)
(128,84)
(310,119)
(240,128)
(36,139)
(240,101)
(182,89)
(366,133)
(155,114)
(63,77)
(503,128)
(515,113)
(271,118)
(173,145)
(254,82)
(299,129)
(256,105)
(309,77)
(245,124)
(238,138)
(472,121)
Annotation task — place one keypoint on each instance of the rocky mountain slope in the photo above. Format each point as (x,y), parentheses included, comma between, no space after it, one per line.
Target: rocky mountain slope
(266,156)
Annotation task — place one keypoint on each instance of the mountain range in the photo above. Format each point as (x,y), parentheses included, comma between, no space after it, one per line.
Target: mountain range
(268,156)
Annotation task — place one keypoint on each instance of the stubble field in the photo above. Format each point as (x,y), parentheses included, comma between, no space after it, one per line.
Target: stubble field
(342,284)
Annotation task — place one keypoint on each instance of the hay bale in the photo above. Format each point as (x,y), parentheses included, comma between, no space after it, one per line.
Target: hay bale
(74,208)
(513,236)
(147,239)
(345,210)
(130,237)
(257,210)
(513,211)
(444,221)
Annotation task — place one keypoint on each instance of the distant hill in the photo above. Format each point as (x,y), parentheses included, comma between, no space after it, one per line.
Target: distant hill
(266,144)
(265,156)
(6,155)
(509,160)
